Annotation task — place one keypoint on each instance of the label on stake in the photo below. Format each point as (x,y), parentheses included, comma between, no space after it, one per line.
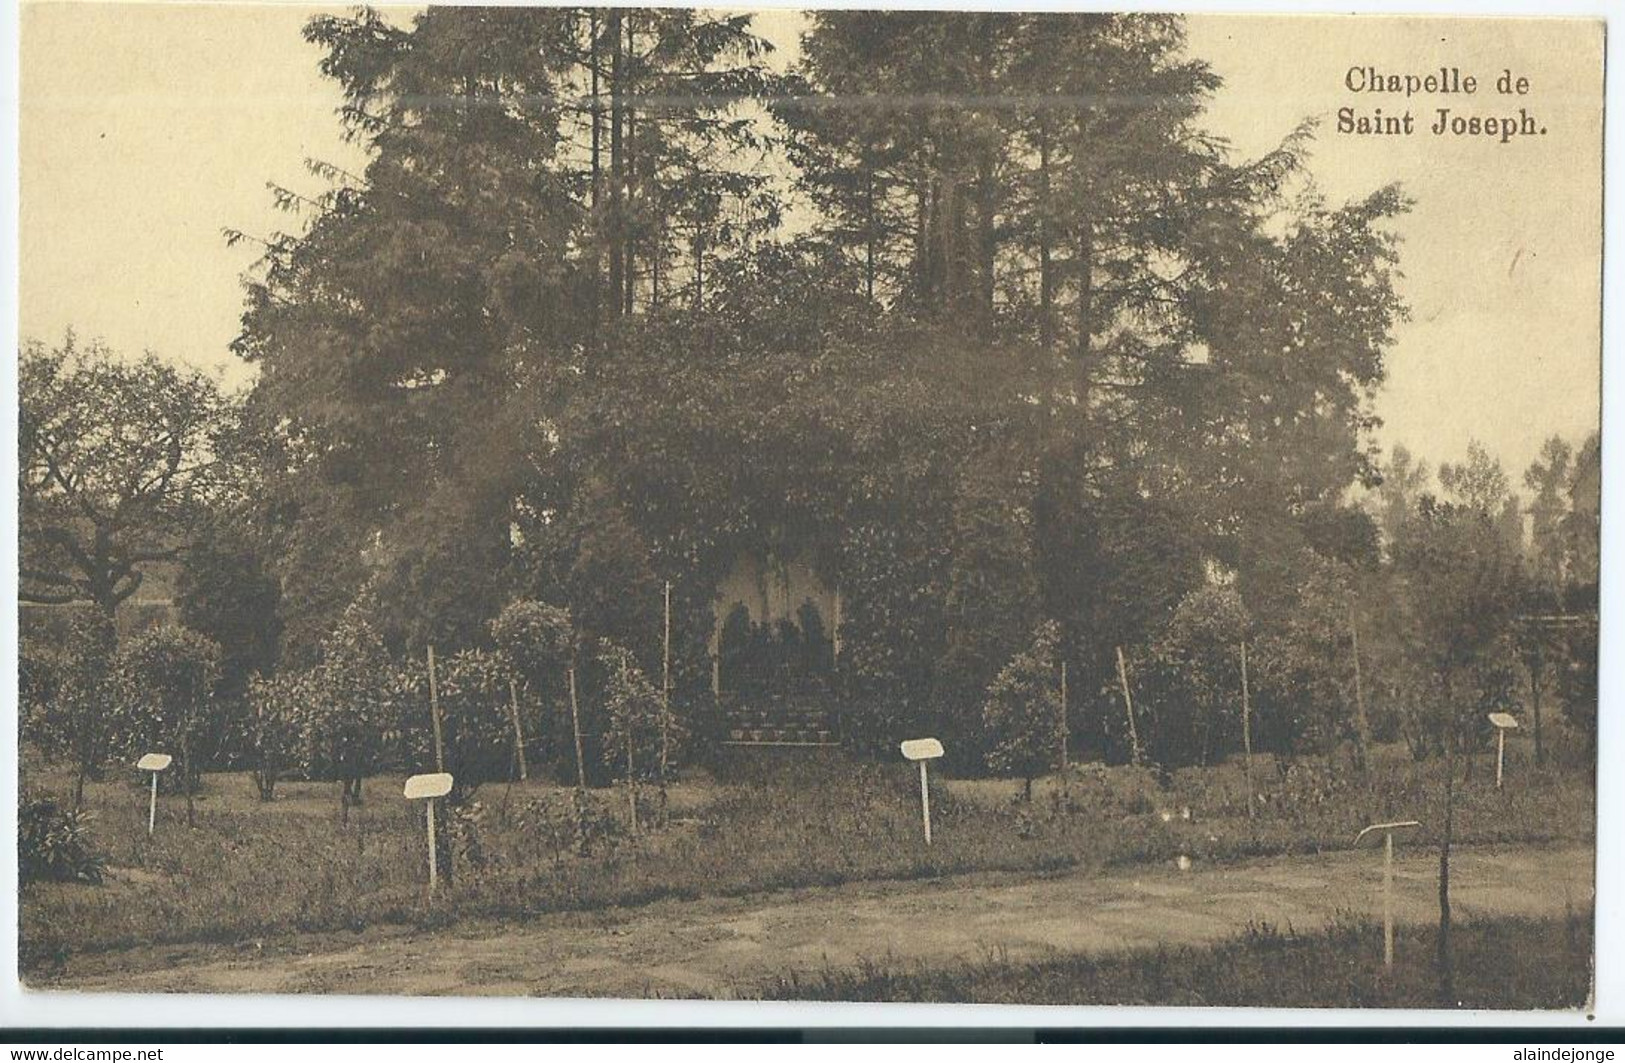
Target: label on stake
(922,749)
(435,784)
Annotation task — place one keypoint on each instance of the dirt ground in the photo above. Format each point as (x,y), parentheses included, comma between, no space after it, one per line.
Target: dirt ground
(724,947)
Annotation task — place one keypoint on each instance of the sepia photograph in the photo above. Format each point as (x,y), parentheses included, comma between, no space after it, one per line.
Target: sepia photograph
(951,506)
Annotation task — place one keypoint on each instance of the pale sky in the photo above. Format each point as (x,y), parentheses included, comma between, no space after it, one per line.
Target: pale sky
(147,129)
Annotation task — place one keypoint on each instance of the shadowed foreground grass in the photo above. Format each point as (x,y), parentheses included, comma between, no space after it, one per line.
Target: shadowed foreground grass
(1523,964)
(250,870)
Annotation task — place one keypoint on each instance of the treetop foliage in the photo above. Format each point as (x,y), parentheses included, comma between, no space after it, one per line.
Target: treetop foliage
(1042,347)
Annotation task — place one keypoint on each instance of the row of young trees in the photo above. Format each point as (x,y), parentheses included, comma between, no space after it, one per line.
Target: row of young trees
(87,699)
(358,713)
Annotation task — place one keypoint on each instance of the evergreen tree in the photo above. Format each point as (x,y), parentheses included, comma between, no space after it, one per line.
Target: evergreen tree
(418,339)
(1548,478)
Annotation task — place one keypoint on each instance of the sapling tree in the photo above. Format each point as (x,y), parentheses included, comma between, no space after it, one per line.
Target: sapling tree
(1459,579)
(1023,714)
(636,720)
(1582,530)
(1539,650)
(277,724)
(537,643)
(166,681)
(1577,683)
(1459,574)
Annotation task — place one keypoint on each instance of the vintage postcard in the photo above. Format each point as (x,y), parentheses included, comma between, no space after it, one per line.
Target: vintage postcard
(853,505)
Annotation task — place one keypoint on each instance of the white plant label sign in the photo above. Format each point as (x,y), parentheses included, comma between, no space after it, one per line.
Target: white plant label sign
(923,750)
(155,763)
(426,788)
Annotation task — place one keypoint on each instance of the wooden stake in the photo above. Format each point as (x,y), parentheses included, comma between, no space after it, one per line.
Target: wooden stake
(1064,730)
(1534,705)
(187,778)
(1362,728)
(518,731)
(665,689)
(1500,753)
(575,725)
(152,807)
(1247,729)
(1128,704)
(631,787)
(434,713)
(259,748)
(631,773)
(835,630)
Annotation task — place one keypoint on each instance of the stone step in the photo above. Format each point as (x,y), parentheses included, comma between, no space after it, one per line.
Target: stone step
(782,736)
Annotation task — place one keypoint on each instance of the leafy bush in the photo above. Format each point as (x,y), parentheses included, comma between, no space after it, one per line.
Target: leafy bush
(354,707)
(568,822)
(1303,669)
(54,843)
(39,678)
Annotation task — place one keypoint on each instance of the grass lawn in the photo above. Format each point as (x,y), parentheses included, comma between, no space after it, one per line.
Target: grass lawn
(1523,964)
(250,869)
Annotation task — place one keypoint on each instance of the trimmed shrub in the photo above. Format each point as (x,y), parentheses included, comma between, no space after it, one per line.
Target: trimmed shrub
(166,680)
